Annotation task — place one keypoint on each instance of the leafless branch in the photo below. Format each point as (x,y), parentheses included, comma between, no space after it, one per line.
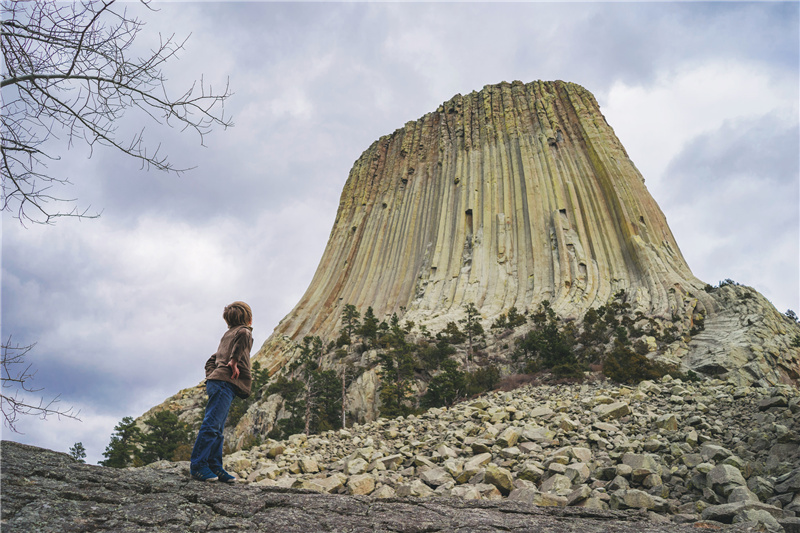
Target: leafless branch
(69,75)
(16,377)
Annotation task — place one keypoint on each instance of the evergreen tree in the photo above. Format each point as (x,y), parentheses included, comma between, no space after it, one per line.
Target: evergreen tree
(432,355)
(472,326)
(78,452)
(165,436)
(369,327)
(293,403)
(397,371)
(122,450)
(350,325)
(445,388)
(452,334)
(310,352)
(325,412)
(547,346)
(509,320)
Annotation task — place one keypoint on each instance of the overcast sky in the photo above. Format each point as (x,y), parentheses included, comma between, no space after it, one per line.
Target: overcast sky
(126,308)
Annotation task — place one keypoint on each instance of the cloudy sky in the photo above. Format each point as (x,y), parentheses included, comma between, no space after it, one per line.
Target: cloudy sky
(125,309)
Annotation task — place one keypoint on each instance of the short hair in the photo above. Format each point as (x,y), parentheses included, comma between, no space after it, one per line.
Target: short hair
(237,314)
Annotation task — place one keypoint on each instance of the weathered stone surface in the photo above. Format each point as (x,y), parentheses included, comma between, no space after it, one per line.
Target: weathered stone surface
(612,411)
(500,478)
(789,483)
(436,476)
(726,512)
(723,478)
(360,484)
(48,492)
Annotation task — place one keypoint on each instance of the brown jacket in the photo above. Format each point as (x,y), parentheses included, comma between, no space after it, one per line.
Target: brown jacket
(235,344)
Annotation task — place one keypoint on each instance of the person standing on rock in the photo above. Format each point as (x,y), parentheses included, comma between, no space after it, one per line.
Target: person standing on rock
(227,374)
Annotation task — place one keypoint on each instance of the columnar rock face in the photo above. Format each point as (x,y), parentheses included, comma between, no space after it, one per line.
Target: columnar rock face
(505,197)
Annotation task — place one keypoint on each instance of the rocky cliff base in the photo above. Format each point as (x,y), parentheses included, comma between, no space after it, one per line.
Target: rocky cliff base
(684,452)
(46,491)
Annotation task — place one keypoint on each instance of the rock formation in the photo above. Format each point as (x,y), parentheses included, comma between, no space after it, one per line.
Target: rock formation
(594,457)
(504,198)
(507,197)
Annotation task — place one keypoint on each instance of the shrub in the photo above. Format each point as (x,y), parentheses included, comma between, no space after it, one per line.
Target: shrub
(482,380)
(515,381)
(640,347)
(623,365)
(452,334)
(445,388)
(698,326)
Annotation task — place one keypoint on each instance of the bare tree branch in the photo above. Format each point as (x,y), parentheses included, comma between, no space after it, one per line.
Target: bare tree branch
(69,75)
(16,379)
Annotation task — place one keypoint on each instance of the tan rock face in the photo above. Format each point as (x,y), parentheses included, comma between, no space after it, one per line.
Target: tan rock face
(504,197)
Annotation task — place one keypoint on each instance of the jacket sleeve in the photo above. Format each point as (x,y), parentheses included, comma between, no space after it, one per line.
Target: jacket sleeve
(211,364)
(241,345)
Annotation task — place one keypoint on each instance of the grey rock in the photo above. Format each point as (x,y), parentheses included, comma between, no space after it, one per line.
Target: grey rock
(723,478)
(726,512)
(763,520)
(790,483)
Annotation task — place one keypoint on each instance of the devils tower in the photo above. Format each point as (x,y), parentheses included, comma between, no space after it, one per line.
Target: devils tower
(508,197)
(504,197)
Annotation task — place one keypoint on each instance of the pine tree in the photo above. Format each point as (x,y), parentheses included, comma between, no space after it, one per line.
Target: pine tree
(369,327)
(78,452)
(293,403)
(350,325)
(122,450)
(445,388)
(472,326)
(166,435)
(397,371)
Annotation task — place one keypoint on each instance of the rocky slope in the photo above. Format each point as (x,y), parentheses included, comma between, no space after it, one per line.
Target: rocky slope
(684,452)
(48,492)
(593,457)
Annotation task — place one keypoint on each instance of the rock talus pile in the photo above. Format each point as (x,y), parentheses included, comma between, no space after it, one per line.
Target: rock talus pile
(679,451)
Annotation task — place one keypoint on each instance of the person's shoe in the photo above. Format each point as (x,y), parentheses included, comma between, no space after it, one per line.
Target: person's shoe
(204,474)
(225,477)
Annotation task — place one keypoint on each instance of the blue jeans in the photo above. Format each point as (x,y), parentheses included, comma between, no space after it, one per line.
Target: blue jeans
(207,451)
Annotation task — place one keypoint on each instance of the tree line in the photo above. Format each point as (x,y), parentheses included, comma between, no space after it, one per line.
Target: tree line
(608,338)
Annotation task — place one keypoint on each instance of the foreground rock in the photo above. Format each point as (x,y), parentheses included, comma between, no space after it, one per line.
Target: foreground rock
(45,491)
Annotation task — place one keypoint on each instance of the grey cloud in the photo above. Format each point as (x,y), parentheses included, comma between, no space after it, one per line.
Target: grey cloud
(734,193)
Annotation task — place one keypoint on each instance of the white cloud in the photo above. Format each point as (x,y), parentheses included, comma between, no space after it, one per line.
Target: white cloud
(655,121)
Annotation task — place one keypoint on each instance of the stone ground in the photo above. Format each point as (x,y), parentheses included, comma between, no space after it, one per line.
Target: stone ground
(45,491)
